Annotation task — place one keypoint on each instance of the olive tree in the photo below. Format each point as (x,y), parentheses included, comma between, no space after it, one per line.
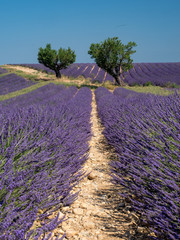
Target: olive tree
(56,60)
(113,57)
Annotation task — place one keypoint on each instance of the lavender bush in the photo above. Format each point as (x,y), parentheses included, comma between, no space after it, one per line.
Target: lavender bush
(12,82)
(145,132)
(43,145)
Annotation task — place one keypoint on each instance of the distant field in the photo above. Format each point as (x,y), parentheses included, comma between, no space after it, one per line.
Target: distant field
(158,74)
(11,73)
(42,78)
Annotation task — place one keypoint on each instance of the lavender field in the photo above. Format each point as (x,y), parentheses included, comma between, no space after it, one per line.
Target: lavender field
(158,74)
(11,83)
(145,132)
(43,146)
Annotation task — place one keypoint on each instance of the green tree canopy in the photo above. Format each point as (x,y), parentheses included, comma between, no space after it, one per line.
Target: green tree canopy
(56,60)
(113,57)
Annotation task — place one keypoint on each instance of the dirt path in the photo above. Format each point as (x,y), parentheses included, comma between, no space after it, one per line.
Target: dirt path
(26,70)
(97,214)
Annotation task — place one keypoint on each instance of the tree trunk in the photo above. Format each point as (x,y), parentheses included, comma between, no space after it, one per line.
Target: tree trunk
(116,72)
(58,74)
(119,81)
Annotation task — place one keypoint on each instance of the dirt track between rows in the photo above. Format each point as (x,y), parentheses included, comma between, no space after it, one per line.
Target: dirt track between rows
(95,215)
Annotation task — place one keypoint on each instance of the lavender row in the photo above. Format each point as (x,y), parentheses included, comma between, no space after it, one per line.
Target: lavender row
(2,70)
(12,82)
(144,130)
(44,145)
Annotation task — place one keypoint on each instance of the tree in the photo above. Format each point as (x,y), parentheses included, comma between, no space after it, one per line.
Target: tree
(56,60)
(113,57)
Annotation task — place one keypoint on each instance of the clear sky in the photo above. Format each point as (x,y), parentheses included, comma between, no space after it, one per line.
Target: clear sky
(26,25)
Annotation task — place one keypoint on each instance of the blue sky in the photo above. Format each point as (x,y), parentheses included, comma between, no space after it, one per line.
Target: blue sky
(27,25)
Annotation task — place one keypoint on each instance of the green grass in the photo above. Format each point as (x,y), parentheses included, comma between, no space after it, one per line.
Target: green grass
(67,84)
(151,89)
